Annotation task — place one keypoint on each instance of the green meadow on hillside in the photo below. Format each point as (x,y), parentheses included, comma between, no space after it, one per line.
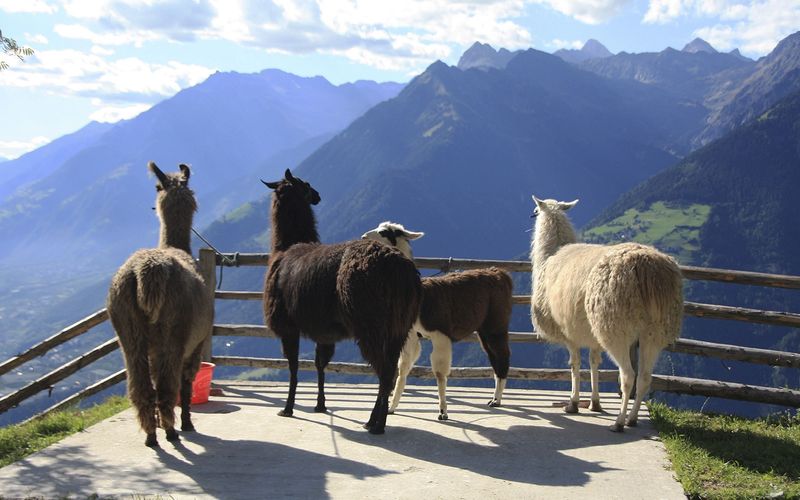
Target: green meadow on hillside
(673,229)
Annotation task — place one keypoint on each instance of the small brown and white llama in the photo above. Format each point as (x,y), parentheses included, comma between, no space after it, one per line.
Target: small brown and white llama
(162,312)
(359,290)
(603,298)
(453,307)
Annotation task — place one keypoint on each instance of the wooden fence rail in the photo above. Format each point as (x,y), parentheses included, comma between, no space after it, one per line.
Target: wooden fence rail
(664,383)
(684,385)
(59,338)
(446,264)
(687,346)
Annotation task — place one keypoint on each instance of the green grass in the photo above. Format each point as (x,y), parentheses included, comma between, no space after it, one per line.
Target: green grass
(719,456)
(20,440)
(673,229)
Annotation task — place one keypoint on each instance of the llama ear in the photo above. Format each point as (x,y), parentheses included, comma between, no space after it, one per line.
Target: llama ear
(163,181)
(412,235)
(566,205)
(288,176)
(271,185)
(536,200)
(186,171)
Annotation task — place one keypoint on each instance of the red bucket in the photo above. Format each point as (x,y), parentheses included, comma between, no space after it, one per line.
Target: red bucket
(201,387)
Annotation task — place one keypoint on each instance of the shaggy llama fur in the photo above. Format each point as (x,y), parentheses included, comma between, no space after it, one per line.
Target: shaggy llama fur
(162,312)
(604,298)
(359,289)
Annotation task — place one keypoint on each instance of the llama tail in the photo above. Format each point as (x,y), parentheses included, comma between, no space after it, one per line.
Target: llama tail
(152,278)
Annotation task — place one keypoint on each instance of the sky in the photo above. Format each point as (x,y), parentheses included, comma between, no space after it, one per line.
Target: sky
(106,60)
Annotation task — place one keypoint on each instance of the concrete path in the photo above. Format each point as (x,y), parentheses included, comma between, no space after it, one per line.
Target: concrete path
(243,449)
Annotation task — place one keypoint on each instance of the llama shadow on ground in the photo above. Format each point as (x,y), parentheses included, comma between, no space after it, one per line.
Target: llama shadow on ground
(529,454)
(273,470)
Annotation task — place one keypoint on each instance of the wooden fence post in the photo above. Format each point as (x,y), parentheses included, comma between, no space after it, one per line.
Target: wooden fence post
(208,267)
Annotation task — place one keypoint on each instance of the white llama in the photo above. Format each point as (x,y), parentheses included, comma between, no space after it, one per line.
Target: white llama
(603,298)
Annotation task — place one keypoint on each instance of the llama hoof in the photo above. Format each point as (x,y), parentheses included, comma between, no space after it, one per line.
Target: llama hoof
(151,441)
(632,423)
(286,413)
(443,416)
(376,430)
(320,409)
(493,403)
(616,427)
(595,406)
(390,412)
(571,407)
(187,427)
(172,435)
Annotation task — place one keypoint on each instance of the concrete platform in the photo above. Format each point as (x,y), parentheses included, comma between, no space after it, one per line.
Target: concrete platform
(243,449)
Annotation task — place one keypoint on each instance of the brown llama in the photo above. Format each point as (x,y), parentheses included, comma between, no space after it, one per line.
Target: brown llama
(162,312)
(359,290)
(453,307)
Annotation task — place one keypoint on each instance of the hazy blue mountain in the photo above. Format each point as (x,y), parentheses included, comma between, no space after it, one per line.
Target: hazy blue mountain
(44,160)
(484,56)
(458,153)
(699,45)
(772,78)
(695,76)
(97,201)
(592,49)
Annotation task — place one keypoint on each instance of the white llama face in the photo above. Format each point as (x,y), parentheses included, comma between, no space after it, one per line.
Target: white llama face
(393,234)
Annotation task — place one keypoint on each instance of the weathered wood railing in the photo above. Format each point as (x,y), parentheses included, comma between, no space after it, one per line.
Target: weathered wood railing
(209,261)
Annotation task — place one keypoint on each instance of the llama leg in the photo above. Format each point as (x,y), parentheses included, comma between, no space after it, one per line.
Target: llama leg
(190,369)
(648,355)
(595,357)
(141,393)
(575,373)
(168,379)
(408,356)
(386,369)
(291,347)
(626,379)
(323,356)
(496,347)
(441,359)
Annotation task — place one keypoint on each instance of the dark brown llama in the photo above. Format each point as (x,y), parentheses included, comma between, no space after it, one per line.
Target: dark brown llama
(453,307)
(360,290)
(162,312)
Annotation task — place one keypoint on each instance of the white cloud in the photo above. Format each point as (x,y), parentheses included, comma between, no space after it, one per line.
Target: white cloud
(402,34)
(587,11)
(101,51)
(13,149)
(663,11)
(111,113)
(128,80)
(36,38)
(753,26)
(566,44)
(27,7)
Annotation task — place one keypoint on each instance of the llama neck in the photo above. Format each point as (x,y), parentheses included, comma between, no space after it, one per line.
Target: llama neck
(292,222)
(553,231)
(176,234)
(405,248)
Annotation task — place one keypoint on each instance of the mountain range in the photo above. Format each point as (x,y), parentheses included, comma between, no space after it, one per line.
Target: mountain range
(86,194)
(456,153)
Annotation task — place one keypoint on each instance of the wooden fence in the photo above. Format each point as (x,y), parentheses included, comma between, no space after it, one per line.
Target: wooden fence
(208,262)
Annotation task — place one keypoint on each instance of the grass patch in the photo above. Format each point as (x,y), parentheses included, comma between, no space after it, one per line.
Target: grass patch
(674,229)
(719,456)
(20,440)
